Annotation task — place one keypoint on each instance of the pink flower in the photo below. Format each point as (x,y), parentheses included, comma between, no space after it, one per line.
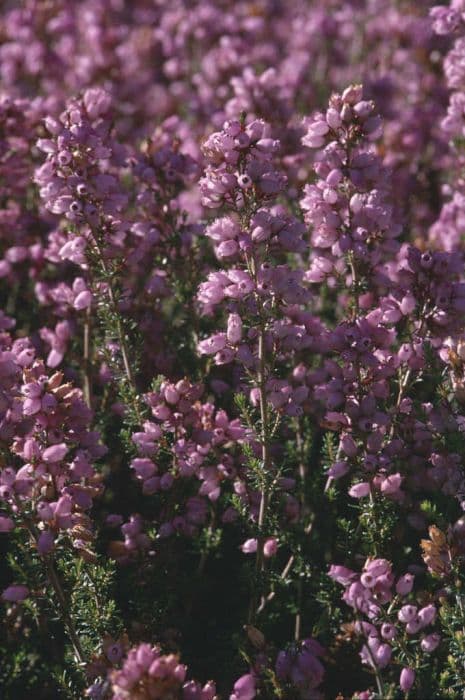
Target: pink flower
(430,642)
(249,546)
(83,300)
(244,688)
(234,333)
(342,574)
(405,584)
(360,490)
(383,655)
(388,631)
(407,679)
(55,453)
(270,547)
(210,346)
(407,613)
(391,484)
(427,615)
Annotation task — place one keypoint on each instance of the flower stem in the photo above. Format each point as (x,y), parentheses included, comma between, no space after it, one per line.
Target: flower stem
(63,604)
(120,331)
(87,365)
(265,464)
(60,594)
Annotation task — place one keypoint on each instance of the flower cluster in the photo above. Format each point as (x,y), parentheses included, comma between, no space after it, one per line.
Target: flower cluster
(232,348)
(147,674)
(301,668)
(74,180)
(49,482)
(392,624)
(187,440)
(348,205)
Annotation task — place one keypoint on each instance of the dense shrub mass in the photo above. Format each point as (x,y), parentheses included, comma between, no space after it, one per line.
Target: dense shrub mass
(232,349)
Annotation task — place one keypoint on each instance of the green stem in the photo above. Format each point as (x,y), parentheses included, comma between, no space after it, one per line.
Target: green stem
(87,365)
(265,433)
(63,604)
(122,340)
(59,592)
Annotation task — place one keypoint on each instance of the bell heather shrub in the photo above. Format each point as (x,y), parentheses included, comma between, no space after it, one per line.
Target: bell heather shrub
(232,349)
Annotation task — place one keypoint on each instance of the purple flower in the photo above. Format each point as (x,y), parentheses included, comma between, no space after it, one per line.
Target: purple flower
(407,613)
(360,490)
(404,584)
(244,688)
(407,679)
(55,453)
(430,642)
(15,593)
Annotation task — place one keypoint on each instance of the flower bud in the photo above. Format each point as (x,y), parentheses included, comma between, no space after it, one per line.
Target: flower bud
(234,331)
(405,584)
(407,679)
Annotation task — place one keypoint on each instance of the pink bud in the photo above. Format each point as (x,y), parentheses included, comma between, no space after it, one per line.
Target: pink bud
(244,688)
(161,412)
(226,249)
(378,567)
(383,655)
(171,394)
(179,672)
(333,118)
(356,203)
(83,300)
(348,445)
(388,631)
(367,580)
(44,510)
(234,332)
(63,506)
(360,490)
(430,642)
(391,484)
(413,626)
(338,469)
(249,546)
(143,467)
(55,453)
(405,584)
(407,679)
(407,613)
(427,615)
(408,304)
(341,574)
(212,345)
(270,547)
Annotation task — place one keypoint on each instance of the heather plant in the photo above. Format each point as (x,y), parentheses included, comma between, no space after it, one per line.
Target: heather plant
(232,350)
